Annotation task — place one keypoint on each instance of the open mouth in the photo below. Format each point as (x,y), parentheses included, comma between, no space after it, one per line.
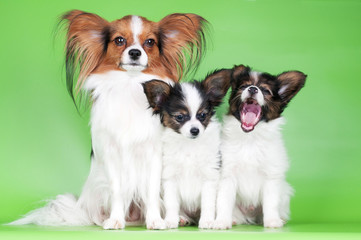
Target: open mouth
(250,113)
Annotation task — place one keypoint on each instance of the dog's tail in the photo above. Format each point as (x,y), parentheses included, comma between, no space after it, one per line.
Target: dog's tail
(63,211)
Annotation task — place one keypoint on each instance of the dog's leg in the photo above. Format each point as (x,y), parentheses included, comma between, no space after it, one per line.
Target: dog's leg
(153,218)
(238,217)
(117,212)
(171,203)
(208,204)
(225,203)
(271,203)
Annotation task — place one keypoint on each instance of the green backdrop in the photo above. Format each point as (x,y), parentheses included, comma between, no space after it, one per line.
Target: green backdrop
(45,144)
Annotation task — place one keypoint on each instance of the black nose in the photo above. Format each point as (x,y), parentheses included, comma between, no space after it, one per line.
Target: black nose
(253,90)
(194,131)
(134,54)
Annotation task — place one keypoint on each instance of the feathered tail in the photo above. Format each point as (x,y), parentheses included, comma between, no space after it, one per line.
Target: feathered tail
(63,211)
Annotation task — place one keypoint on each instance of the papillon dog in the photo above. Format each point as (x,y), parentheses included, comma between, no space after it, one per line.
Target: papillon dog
(253,187)
(191,140)
(111,60)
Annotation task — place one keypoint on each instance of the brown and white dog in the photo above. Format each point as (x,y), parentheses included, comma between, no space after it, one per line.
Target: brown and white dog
(111,60)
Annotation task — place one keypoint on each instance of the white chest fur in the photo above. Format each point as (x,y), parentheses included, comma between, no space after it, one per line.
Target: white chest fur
(126,139)
(120,107)
(190,174)
(254,165)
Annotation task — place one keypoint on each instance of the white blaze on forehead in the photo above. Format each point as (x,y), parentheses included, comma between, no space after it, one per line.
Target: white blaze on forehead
(254,76)
(192,99)
(127,62)
(137,27)
(259,95)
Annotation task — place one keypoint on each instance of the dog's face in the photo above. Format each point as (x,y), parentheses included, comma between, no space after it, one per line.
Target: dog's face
(134,44)
(188,108)
(258,96)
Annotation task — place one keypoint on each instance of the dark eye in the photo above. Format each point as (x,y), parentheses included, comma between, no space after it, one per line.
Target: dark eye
(243,87)
(149,42)
(266,91)
(119,41)
(201,116)
(179,118)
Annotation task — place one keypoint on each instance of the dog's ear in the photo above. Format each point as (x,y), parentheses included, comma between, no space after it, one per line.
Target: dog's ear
(87,42)
(239,74)
(216,85)
(290,83)
(182,42)
(157,93)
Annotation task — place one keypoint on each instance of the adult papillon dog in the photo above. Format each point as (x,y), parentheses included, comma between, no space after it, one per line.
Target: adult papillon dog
(253,187)
(112,60)
(191,141)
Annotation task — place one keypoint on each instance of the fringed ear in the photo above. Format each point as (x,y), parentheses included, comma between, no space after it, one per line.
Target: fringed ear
(157,93)
(216,85)
(182,43)
(290,83)
(87,41)
(239,73)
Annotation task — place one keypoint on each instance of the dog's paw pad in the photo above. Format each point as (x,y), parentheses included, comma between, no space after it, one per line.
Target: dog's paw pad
(111,223)
(183,221)
(273,223)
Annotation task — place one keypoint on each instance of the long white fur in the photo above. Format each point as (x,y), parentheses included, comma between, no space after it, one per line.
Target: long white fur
(191,168)
(253,180)
(126,165)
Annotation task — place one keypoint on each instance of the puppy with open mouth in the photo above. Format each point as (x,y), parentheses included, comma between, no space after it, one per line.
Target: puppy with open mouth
(191,141)
(253,187)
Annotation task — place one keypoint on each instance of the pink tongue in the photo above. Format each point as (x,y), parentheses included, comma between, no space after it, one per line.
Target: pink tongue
(250,118)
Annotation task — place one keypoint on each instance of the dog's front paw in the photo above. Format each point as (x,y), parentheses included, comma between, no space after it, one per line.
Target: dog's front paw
(184,221)
(172,222)
(156,224)
(112,223)
(222,224)
(205,223)
(273,223)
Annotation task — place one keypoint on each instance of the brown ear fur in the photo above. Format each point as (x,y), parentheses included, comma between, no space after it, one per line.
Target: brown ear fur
(290,83)
(182,36)
(86,45)
(217,85)
(157,92)
(238,72)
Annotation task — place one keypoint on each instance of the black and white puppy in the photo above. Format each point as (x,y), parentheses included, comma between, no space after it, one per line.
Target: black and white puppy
(191,141)
(253,187)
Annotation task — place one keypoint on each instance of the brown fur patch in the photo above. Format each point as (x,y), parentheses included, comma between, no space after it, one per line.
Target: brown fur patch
(157,92)
(216,85)
(85,43)
(181,36)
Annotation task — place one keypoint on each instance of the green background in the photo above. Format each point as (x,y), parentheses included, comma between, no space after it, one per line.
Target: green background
(45,144)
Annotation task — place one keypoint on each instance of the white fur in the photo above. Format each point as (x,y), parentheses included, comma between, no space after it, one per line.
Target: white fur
(255,76)
(258,96)
(126,165)
(137,27)
(253,180)
(193,100)
(191,170)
